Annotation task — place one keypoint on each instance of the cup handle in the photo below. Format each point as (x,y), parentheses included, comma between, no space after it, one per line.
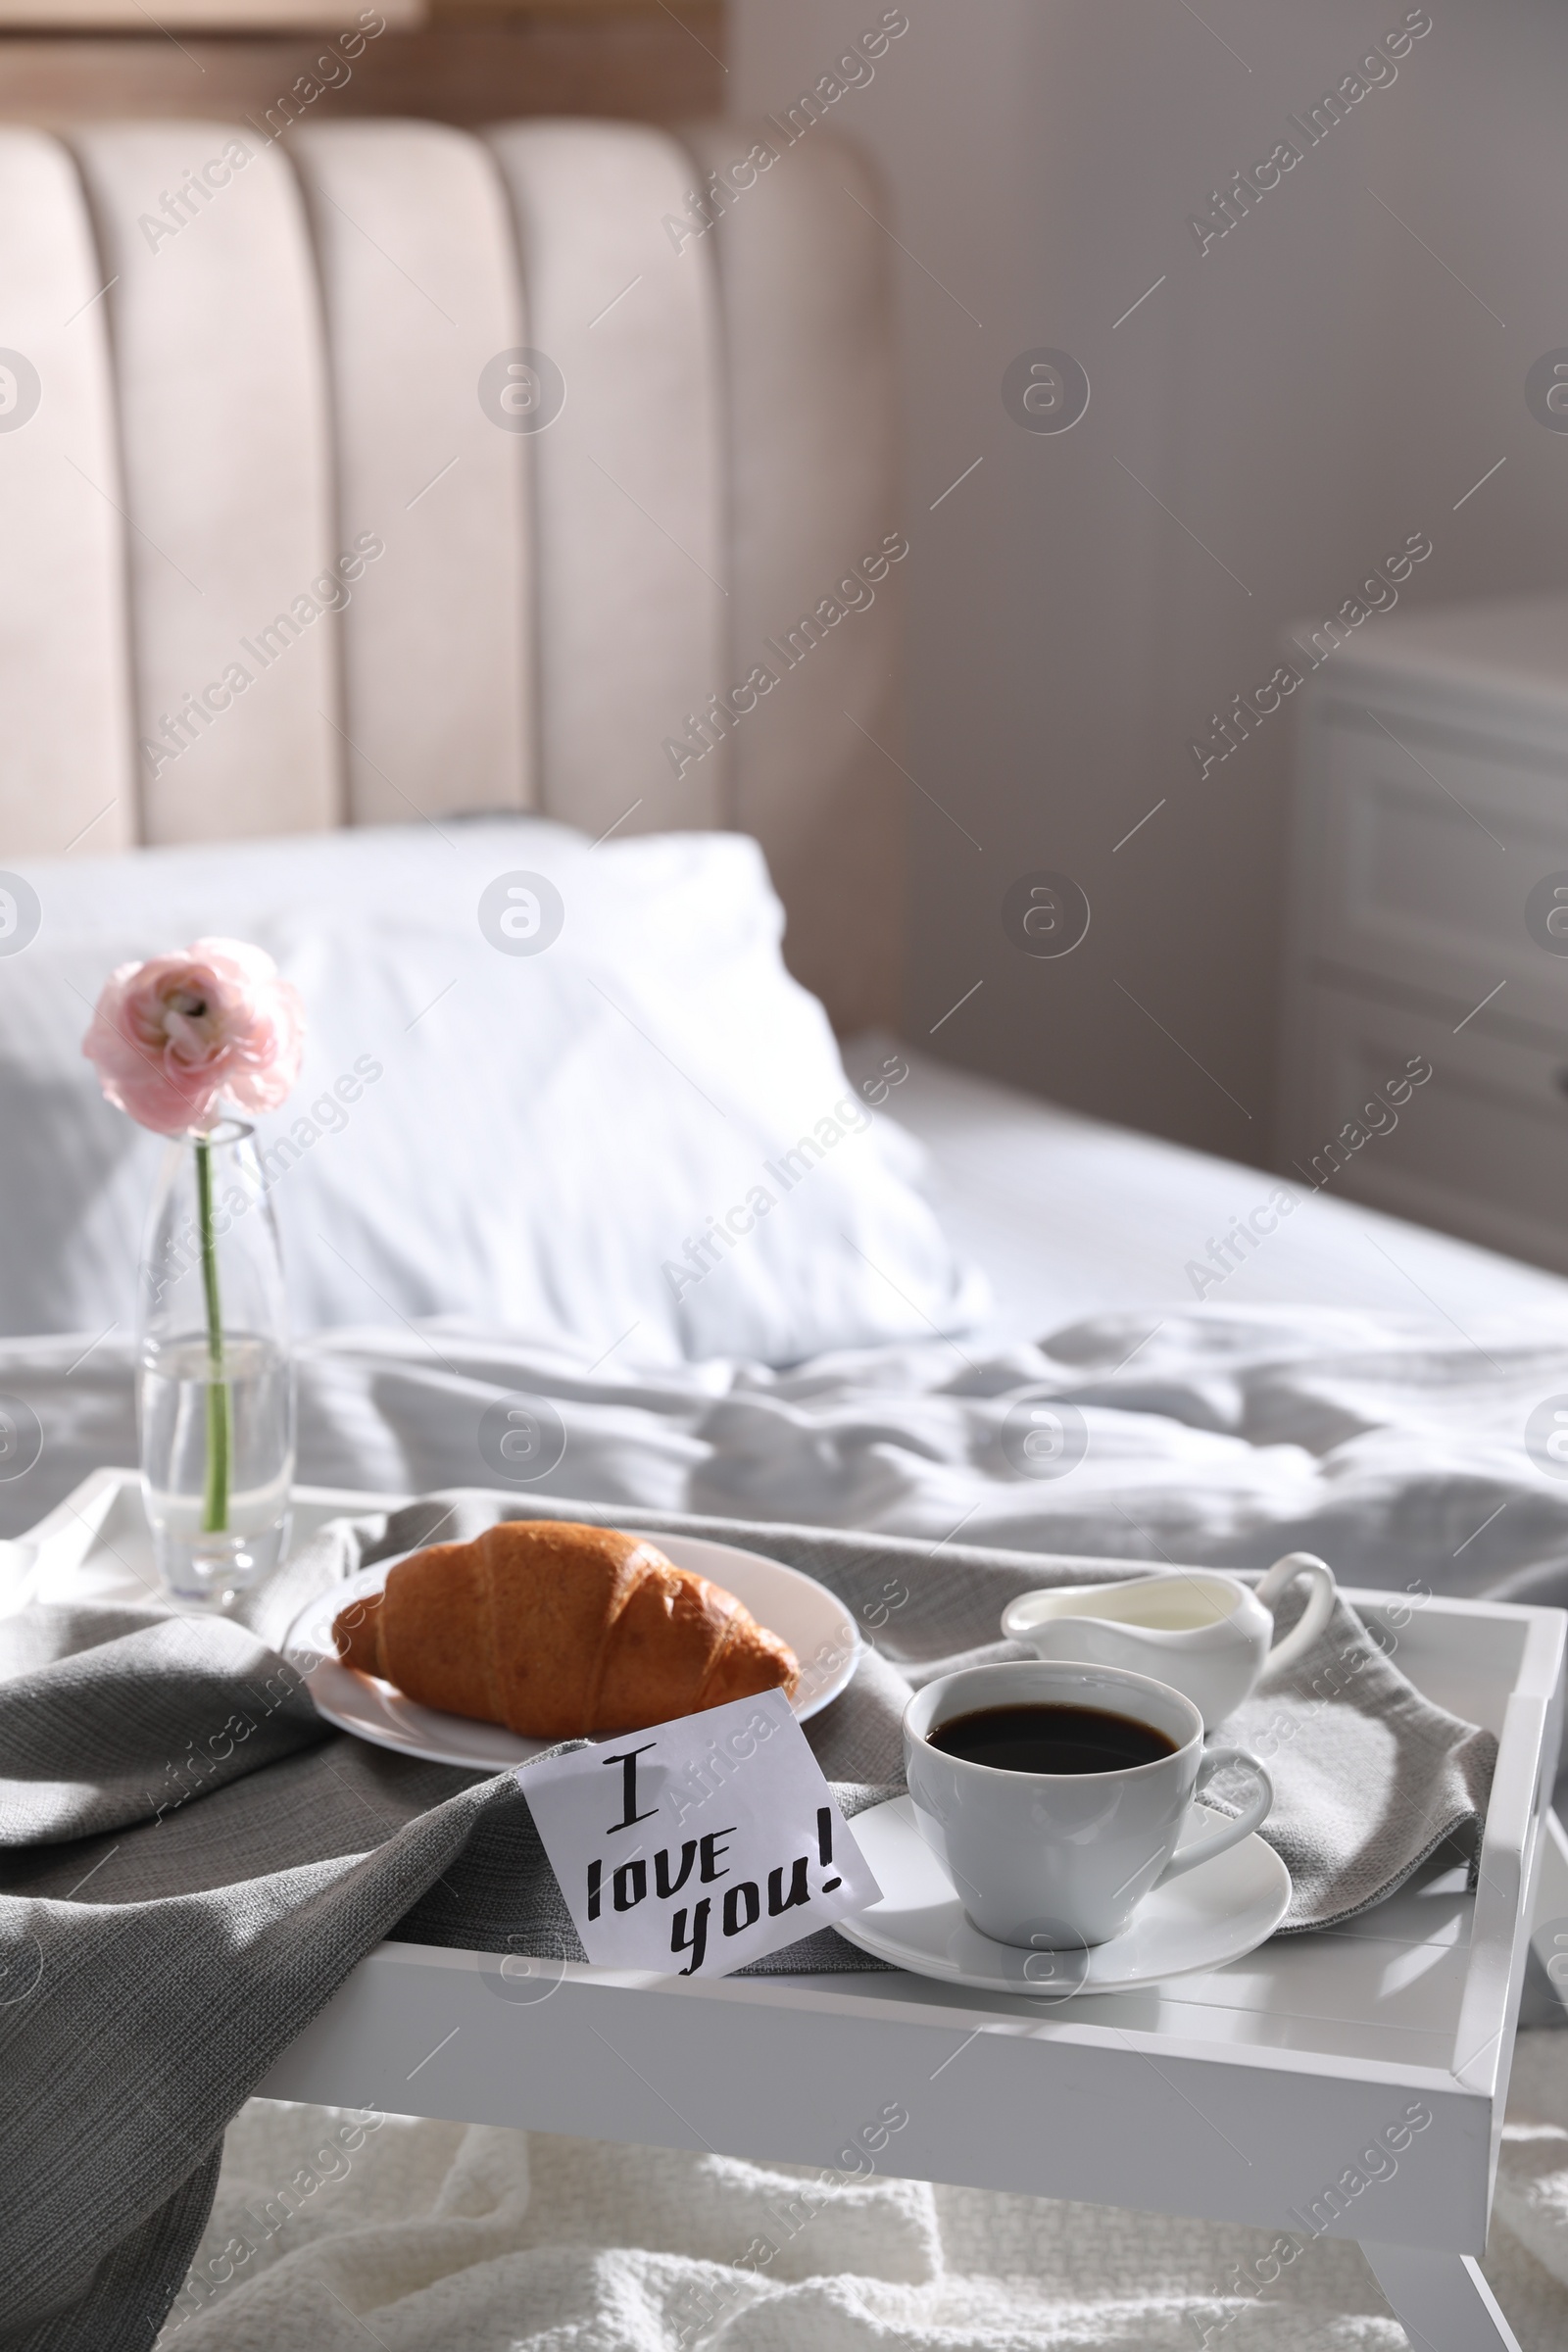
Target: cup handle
(1229,1832)
(1314,1618)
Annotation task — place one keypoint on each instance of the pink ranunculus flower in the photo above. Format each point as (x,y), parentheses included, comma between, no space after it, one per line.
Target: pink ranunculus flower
(176,1036)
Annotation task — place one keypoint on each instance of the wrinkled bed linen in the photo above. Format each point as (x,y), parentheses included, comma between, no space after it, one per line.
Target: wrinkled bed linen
(428,2236)
(1393,1446)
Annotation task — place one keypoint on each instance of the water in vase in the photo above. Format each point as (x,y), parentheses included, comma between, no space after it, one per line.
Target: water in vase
(178,1401)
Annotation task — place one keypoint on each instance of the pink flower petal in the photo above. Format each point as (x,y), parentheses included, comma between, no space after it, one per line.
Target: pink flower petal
(177,1036)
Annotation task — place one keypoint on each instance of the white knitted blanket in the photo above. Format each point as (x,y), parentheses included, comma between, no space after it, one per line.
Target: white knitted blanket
(333,2231)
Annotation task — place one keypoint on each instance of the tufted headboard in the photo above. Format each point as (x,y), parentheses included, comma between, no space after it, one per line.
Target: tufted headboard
(391,471)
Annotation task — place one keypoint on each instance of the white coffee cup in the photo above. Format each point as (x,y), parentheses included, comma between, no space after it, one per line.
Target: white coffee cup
(1204,1633)
(1062,1860)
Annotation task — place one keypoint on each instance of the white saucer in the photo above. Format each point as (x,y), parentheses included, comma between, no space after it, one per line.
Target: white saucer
(801,1612)
(1212,1914)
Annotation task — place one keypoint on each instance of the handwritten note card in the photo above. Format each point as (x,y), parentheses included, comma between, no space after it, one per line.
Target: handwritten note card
(699,1844)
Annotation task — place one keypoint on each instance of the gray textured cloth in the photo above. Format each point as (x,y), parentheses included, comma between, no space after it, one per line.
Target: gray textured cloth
(190,1864)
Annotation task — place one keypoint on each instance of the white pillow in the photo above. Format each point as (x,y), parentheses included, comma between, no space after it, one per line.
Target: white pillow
(636,1131)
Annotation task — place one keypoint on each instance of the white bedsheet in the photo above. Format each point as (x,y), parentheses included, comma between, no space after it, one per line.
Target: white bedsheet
(1357,1384)
(1396,1450)
(1387,1434)
(1070,1216)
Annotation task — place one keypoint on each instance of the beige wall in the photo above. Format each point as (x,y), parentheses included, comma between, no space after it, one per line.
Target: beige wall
(1301,397)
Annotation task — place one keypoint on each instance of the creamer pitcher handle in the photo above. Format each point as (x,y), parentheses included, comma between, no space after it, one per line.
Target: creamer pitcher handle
(1314,1618)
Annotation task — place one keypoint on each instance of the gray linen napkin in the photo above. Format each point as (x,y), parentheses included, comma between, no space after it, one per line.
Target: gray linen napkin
(190,1864)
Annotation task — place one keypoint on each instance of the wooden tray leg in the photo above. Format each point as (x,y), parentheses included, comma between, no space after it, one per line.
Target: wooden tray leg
(1441,2300)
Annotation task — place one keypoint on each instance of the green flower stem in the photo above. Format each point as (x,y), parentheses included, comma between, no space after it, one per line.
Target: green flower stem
(215,1505)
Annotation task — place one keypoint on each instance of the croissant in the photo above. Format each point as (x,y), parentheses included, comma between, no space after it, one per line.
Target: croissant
(560,1632)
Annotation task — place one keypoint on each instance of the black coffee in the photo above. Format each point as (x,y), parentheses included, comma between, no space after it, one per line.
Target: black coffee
(1050,1739)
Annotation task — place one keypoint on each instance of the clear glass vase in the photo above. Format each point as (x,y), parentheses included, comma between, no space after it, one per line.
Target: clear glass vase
(214,1385)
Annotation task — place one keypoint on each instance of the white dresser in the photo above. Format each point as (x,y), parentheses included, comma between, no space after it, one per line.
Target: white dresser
(1431,803)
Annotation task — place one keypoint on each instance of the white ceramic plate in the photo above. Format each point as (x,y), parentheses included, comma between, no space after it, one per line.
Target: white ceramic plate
(801,1612)
(1217,1912)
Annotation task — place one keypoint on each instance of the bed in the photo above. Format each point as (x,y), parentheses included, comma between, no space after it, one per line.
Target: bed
(485,637)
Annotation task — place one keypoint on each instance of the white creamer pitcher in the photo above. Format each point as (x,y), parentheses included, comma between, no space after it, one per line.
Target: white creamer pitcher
(1204,1633)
